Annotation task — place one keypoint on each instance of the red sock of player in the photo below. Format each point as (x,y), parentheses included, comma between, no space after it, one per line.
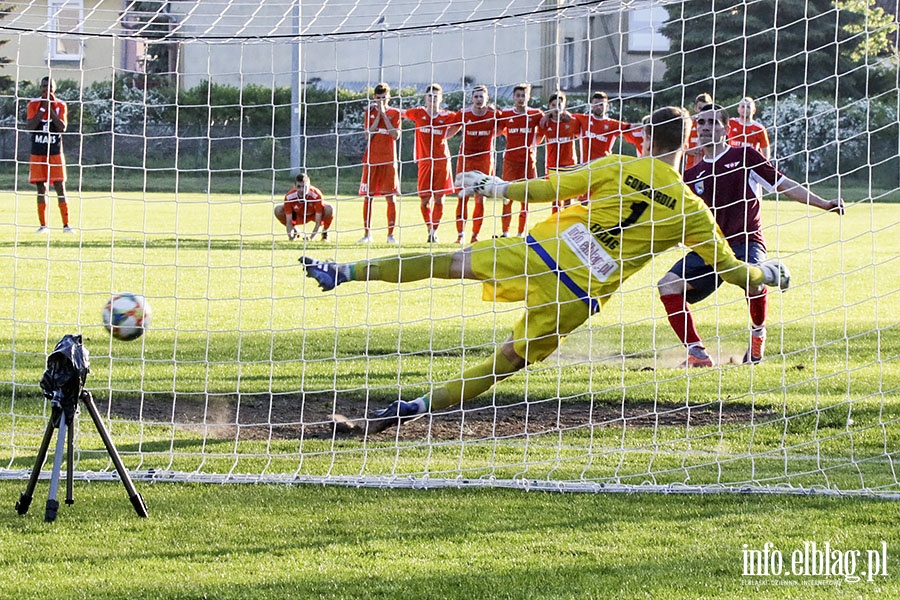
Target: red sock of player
(64,213)
(42,214)
(461,214)
(759,308)
(680,318)
(523,219)
(425,207)
(506,217)
(391,216)
(367,215)
(477,217)
(436,213)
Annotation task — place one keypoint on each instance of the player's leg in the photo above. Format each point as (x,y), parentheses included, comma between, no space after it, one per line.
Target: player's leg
(278,211)
(462,202)
(368,201)
(523,218)
(437,212)
(38,175)
(391,218)
(42,205)
(477,217)
(327,219)
(758,302)
(60,187)
(689,280)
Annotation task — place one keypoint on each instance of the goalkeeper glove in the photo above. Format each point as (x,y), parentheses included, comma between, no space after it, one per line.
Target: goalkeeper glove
(476,182)
(776,274)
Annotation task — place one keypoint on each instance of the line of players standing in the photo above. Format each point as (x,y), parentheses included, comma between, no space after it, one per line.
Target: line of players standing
(524,128)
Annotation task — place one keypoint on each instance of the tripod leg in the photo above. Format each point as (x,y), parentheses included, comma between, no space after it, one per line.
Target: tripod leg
(27,496)
(70,463)
(136,501)
(52,503)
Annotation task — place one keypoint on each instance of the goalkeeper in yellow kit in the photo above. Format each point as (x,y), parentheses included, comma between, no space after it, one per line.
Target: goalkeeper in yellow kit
(569,265)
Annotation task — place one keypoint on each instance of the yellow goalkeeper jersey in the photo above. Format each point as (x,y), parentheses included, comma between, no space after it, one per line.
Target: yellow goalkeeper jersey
(637,208)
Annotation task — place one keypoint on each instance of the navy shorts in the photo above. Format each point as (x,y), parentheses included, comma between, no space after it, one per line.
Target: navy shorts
(702,277)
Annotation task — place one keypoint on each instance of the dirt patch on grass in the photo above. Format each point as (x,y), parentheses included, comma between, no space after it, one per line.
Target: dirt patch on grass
(263,417)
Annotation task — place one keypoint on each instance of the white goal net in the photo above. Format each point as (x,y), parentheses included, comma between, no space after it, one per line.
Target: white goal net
(186,124)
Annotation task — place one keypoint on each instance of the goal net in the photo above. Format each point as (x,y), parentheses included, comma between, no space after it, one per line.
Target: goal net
(187,123)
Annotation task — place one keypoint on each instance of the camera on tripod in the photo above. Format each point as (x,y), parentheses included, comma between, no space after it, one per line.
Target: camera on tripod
(63,385)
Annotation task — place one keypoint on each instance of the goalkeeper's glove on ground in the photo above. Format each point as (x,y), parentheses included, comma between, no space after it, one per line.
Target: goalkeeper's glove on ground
(776,274)
(476,182)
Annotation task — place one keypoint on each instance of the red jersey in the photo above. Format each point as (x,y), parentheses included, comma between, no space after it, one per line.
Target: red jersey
(520,130)
(560,137)
(599,135)
(729,185)
(692,158)
(382,148)
(478,133)
(753,134)
(46,141)
(431,132)
(303,210)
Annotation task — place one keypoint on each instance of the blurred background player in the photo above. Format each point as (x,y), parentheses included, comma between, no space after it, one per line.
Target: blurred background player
(694,153)
(519,125)
(379,176)
(724,179)
(432,156)
(599,131)
(560,131)
(476,153)
(47,117)
(571,264)
(304,204)
(745,131)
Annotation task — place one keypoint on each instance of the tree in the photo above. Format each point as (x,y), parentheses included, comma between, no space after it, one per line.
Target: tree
(6,82)
(765,47)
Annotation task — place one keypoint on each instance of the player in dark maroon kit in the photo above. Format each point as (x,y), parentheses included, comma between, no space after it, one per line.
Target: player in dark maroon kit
(728,179)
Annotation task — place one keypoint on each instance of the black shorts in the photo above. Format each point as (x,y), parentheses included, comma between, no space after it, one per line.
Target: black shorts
(702,279)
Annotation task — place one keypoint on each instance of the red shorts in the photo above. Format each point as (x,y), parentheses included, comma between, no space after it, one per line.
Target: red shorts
(434,177)
(483,163)
(46,169)
(514,170)
(380,180)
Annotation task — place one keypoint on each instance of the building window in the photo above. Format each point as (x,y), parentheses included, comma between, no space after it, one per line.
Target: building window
(643,30)
(66,18)
(568,63)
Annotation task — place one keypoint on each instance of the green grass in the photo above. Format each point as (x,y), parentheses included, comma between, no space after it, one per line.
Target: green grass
(236,322)
(267,542)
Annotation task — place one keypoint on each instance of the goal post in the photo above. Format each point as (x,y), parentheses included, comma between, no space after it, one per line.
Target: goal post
(188,123)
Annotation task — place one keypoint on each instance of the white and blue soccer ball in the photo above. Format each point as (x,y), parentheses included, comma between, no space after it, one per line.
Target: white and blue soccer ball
(126,316)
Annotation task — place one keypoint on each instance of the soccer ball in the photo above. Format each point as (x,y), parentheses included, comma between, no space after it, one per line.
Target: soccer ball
(126,315)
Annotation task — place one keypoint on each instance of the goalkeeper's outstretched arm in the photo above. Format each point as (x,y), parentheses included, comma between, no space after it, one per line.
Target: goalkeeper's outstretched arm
(532,190)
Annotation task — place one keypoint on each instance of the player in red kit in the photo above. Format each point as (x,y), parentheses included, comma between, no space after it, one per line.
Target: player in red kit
(432,156)
(47,118)
(519,125)
(379,176)
(694,152)
(726,179)
(560,136)
(599,131)
(304,203)
(745,131)
(478,124)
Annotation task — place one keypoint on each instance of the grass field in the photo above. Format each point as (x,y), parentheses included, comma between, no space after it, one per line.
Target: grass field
(239,334)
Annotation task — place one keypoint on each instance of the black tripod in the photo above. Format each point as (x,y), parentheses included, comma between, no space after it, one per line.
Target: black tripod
(62,383)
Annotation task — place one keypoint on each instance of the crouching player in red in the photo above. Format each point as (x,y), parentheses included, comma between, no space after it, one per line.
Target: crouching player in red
(570,264)
(304,204)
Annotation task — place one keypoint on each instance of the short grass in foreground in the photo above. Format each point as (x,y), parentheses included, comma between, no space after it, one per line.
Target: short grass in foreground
(268,542)
(235,318)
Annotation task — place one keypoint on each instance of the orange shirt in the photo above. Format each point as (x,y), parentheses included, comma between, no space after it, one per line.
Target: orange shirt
(431,131)
(303,209)
(599,135)
(478,132)
(753,134)
(520,130)
(560,137)
(382,148)
(692,158)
